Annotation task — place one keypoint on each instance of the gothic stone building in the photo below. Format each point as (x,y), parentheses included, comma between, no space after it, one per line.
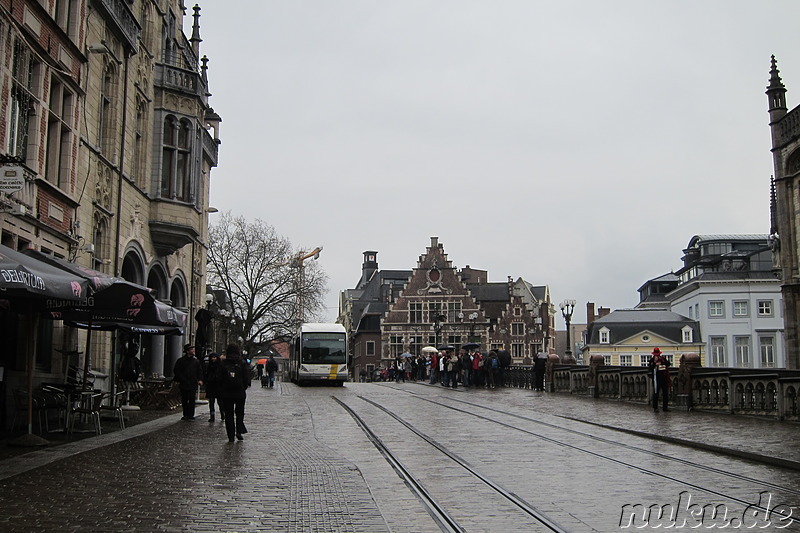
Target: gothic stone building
(785,230)
(108,130)
(437,304)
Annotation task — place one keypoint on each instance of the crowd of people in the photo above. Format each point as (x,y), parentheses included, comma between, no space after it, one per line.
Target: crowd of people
(468,368)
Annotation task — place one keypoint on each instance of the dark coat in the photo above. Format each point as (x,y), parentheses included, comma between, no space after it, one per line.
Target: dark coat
(236,379)
(188,372)
(504,358)
(215,374)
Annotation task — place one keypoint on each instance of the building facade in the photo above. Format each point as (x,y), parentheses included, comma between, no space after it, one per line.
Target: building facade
(106,121)
(727,284)
(627,337)
(785,224)
(391,313)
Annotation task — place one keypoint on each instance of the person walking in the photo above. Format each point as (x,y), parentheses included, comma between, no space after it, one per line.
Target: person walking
(234,387)
(213,381)
(434,367)
(272,367)
(539,366)
(490,365)
(477,363)
(188,373)
(659,367)
(504,361)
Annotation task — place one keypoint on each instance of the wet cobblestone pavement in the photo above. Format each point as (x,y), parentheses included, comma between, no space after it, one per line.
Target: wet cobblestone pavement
(305,465)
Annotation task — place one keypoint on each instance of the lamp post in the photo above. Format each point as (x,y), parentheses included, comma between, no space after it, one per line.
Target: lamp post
(567,308)
(472,318)
(438,323)
(298,262)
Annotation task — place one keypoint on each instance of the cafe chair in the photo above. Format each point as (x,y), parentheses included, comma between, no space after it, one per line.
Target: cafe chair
(21,408)
(113,403)
(90,406)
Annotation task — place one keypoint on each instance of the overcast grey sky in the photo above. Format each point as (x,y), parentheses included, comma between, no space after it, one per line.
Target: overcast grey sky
(576,144)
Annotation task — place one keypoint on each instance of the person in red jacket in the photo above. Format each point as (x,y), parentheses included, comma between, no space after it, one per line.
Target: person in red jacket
(659,366)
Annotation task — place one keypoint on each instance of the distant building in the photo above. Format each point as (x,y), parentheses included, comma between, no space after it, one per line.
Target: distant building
(393,312)
(627,337)
(726,284)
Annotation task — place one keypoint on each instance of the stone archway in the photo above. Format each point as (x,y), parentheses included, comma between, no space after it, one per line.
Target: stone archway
(174,343)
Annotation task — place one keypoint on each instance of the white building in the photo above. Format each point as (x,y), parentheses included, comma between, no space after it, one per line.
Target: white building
(728,286)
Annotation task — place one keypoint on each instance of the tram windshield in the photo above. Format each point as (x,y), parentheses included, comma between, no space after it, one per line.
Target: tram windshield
(324,348)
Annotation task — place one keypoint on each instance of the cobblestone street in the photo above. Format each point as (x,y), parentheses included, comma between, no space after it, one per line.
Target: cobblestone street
(307,466)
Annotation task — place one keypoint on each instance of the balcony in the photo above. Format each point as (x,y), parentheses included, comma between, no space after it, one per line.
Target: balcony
(179,79)
(173,226)
(124,23)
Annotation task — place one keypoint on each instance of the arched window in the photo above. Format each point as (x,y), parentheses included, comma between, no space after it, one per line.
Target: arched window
(140,145)
(107,110)
(99,238)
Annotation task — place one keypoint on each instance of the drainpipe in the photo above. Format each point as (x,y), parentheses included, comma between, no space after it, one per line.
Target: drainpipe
(117,268)
(121,169)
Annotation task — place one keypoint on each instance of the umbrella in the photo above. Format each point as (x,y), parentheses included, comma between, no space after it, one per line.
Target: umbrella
(26,280)
(470,345)
(261,362)
(428,349)
(114,303)
(28,284)
(446,347)
(406,355)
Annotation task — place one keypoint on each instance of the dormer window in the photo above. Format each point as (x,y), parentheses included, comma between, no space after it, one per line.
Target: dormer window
(605,335)
(687,334)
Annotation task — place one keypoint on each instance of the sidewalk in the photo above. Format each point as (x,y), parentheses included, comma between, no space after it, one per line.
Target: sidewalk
(771,441)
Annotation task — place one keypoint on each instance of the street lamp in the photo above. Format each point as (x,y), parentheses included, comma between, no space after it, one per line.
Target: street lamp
(438,323)
(298,262)
(472,318)
(567,307)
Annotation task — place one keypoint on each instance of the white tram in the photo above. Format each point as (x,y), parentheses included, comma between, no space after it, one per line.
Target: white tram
(319,353)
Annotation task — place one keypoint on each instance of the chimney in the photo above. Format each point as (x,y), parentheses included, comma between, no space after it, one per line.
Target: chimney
(590,316)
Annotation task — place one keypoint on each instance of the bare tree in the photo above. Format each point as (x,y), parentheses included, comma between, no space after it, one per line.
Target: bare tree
(264,282)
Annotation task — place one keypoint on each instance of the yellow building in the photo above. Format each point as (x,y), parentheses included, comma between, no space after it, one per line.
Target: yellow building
(627,337)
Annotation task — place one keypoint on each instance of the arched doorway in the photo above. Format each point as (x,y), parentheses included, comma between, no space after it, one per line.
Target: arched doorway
(174,343)
(155,345)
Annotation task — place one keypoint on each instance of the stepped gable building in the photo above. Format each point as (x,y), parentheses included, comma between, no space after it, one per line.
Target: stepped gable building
(107,124)
(395,312)
(785,220)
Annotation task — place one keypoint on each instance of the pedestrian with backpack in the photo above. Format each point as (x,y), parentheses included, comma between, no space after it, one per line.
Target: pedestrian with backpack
(235,382)
(272,367)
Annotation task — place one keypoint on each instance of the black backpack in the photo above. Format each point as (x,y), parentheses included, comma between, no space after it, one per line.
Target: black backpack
(233,379)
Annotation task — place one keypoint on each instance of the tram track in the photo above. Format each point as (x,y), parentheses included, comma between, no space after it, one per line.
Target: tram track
(445,521)
(626,464)
(660,455)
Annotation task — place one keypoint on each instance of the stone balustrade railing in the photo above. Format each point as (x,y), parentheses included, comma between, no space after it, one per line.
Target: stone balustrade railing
(772,393)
